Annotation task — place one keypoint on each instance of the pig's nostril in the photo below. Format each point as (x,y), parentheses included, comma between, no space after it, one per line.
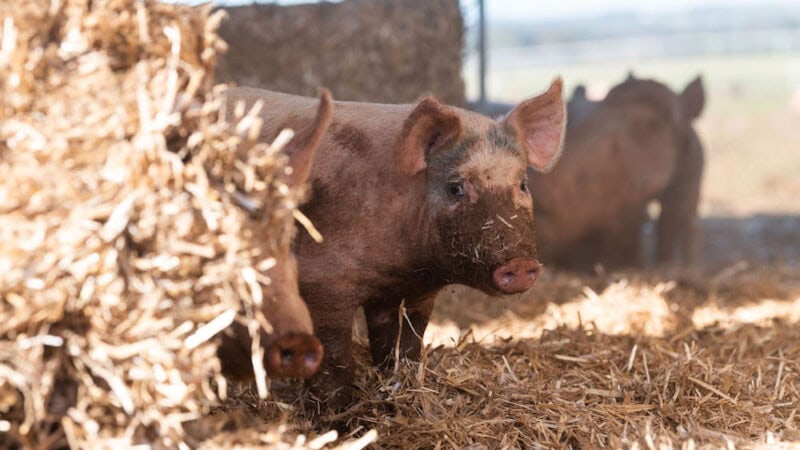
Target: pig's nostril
(294,355)
(508,277)
(311,360)
(287,356)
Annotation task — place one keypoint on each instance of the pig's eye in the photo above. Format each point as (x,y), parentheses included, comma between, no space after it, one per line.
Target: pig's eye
(523,185)
(456,189)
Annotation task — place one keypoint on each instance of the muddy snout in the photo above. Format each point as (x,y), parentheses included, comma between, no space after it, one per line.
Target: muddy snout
(293,356)
(516,275)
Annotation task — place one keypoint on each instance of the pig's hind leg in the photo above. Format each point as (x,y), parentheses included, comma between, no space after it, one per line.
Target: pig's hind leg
(383,324)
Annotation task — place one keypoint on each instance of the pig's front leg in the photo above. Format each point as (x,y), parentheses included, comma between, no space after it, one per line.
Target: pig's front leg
(333,384)
(383,323)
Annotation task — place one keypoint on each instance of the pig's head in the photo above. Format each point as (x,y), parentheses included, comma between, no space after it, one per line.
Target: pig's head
(680,108)
(478,210)
(291,349)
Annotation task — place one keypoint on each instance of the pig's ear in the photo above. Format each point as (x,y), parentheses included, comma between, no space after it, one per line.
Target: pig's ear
(579,93)
(693,99)
(538,125)
(303,146)
(428,128)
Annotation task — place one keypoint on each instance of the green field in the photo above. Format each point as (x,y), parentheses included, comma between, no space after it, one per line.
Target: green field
(751,125)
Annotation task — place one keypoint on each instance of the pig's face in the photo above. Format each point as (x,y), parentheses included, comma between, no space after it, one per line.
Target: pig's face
(291,350)
(483,213)
(480,211)
(290,347)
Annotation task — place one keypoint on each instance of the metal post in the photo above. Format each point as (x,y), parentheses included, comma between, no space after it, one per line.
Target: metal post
(482,51)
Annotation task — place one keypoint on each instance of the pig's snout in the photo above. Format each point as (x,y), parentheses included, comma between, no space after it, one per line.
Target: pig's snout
(294,356)
(516,275)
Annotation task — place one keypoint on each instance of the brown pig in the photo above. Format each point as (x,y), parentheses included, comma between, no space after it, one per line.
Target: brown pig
(411,198)
(635,146)
(291,350)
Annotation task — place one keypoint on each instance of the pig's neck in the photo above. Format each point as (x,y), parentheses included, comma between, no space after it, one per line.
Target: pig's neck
(420,245)
(375,247)
(405,269)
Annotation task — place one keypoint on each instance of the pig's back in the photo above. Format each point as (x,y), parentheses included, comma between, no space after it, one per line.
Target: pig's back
(359,132)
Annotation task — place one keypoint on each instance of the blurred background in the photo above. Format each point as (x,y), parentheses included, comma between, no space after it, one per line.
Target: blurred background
(747,51)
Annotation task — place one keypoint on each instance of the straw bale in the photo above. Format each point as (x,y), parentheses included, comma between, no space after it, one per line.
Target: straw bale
(123,245)
(362,50)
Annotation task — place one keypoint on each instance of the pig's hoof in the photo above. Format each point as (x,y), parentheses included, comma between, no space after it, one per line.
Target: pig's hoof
(293,356)
(516,275)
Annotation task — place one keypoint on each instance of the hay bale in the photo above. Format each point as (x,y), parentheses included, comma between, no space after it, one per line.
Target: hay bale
(362,50)
(123,248)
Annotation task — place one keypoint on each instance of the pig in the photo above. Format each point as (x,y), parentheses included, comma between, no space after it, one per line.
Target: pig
(409,199)
(291,349)
(635,146)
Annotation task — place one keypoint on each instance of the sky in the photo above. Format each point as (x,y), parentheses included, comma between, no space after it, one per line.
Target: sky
(533,9)
(526,10)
